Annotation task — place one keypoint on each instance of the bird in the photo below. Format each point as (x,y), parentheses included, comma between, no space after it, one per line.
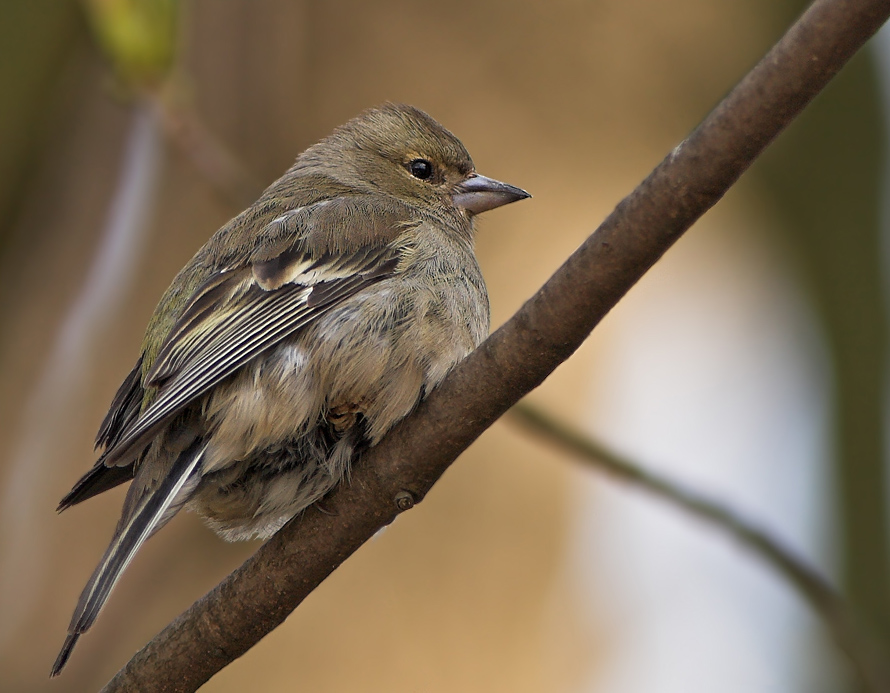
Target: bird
(295,338)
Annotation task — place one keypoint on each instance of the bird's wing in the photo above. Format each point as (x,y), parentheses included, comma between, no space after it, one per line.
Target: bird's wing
(232,318)
(228,321)
(304,267)
(309,261)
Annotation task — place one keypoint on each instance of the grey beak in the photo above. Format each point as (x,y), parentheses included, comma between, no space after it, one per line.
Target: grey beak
(478,194)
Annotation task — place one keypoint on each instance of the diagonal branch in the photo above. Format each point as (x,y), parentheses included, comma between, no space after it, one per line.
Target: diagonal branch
(397,473)
(863,649)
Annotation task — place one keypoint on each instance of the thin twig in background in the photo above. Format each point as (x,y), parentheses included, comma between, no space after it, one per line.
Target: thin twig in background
(830,606)
(210,156)
(398,472)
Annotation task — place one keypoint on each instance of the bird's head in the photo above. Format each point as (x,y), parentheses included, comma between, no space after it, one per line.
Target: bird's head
(401,151)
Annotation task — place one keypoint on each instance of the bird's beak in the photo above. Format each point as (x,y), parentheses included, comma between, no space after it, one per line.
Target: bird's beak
(478,194)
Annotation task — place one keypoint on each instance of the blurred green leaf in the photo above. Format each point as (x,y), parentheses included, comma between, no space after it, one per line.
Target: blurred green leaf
(138,36)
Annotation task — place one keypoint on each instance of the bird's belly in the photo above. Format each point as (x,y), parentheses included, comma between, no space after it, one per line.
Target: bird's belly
(284,429)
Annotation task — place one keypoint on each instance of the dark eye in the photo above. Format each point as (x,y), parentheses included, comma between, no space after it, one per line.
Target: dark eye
(420,168)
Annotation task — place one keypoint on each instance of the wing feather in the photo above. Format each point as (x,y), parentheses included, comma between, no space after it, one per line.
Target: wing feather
(211,341)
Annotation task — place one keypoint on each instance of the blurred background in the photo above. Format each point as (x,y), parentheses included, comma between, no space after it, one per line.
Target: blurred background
(748,364)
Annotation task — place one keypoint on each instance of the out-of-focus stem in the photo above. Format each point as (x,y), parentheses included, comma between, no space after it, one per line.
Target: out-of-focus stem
(869,658)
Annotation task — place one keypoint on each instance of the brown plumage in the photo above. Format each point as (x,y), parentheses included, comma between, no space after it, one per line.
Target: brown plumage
(303,330)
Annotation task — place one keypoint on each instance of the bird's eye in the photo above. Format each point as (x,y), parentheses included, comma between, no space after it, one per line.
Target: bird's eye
(420,168)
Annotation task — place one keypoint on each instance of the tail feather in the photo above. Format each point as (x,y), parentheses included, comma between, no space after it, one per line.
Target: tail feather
(153,512)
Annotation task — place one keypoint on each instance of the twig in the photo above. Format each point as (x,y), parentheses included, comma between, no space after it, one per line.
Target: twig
(215,162)
(399,471)
(848,633)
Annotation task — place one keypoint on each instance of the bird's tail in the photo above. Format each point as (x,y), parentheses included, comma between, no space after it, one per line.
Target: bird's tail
(150,514)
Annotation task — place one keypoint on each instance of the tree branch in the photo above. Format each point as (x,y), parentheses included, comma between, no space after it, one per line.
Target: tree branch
(397,473)
(864,651)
